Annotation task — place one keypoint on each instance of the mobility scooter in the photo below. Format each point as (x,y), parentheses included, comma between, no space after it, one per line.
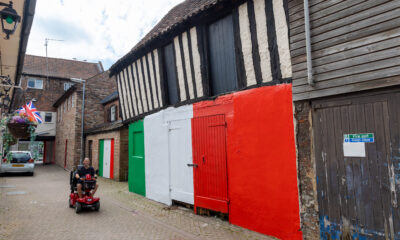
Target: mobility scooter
(87,200)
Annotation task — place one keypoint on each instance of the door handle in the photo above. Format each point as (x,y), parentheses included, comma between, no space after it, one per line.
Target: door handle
(192,165)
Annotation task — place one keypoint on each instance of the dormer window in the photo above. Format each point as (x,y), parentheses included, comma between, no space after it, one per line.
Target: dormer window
(113,115)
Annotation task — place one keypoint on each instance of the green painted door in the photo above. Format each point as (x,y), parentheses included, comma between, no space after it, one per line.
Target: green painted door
(136,178)
(101,156)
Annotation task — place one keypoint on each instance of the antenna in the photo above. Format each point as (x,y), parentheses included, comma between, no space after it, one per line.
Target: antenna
(46,43)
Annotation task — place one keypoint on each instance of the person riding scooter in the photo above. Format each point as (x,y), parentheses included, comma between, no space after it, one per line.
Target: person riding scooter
(81,174)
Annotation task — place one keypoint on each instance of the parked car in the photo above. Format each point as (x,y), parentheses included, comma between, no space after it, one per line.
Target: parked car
(22,162)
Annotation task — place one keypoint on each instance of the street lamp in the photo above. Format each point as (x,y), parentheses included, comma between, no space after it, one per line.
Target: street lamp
(9,19)
(79,80)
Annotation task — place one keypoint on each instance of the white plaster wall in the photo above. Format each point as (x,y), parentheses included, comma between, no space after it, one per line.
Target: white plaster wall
(147,80)
(156,161)
(262,39)
(140,109)
(196,62)
(121,97)
(282,38)
(47,129)
(187,64)
(124,89)
(128,93)
(142,90)
(133,95)
(155,54)
(153,82)
(245,38)
(178,61)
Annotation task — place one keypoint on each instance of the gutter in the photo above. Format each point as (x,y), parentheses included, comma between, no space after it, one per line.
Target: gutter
(310,77)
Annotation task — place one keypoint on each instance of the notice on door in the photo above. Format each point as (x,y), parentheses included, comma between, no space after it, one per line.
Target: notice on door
(354,144)
(354,149)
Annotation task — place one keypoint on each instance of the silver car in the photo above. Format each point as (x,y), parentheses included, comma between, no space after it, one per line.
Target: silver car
(21,162)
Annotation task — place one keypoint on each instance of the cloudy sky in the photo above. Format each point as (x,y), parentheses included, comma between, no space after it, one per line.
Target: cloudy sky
(93,30)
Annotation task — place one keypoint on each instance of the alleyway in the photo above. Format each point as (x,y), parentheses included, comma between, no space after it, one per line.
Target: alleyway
(36,208)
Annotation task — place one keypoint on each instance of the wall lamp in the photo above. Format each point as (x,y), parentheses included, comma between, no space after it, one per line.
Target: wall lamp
(9,19)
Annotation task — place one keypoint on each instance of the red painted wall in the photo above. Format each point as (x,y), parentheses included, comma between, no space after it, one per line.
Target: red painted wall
(262,174)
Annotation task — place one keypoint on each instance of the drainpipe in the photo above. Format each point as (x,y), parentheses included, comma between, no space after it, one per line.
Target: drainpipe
(310,76)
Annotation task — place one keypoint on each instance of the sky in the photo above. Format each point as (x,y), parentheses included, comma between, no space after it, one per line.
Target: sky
(93,30)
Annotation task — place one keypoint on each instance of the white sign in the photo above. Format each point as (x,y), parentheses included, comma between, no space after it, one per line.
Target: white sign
(354,149)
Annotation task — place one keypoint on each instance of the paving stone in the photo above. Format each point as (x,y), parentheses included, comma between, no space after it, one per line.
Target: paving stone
(43,213)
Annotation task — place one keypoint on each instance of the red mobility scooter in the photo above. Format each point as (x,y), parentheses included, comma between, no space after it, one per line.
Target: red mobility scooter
(87,201)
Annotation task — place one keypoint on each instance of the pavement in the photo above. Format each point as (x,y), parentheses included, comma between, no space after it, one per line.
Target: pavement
(37,208)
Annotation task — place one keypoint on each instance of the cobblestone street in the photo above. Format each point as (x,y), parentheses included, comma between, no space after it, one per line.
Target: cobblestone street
(37,208)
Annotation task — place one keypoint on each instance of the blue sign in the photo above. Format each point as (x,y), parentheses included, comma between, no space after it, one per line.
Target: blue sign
(361,137)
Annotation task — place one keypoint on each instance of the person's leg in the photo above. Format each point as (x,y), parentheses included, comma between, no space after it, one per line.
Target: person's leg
(95,189)
(79,186)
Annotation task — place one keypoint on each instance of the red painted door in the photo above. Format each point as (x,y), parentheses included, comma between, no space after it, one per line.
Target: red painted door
(209,159)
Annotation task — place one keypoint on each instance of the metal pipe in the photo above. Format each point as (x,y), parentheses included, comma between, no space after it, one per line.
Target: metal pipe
(78,80)
(310,76)
(82,121)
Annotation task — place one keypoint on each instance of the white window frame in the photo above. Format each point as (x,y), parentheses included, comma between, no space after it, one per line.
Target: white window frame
(113,115)
(36,81)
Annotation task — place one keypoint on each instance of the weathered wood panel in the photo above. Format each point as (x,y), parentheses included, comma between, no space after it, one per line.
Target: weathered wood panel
(355,46)
(222,56)
(358,195)
(171,76)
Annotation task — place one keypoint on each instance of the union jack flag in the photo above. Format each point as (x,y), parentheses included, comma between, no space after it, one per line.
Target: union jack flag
(30,110)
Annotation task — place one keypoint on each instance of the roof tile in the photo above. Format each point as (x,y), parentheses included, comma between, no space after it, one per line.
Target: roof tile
(61,68)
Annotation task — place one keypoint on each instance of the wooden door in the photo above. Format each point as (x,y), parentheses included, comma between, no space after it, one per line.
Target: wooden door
(106,158)
(136,168)
(180,157)
(209,157)
(357,183)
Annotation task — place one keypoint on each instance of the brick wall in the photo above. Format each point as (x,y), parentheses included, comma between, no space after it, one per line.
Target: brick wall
(120,151)
(46,97)
(306,171)
(97,88)
(68,128)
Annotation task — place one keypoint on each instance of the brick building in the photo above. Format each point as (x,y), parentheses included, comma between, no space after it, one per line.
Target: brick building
(44,80)
(69,106)
(107,143)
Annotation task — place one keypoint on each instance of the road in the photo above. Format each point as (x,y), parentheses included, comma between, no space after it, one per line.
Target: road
(37,208)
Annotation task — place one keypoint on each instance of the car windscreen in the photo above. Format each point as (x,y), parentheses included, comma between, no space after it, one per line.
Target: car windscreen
(20,157)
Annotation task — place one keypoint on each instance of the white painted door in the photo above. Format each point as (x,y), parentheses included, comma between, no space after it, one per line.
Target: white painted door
(106,158)
(180,155)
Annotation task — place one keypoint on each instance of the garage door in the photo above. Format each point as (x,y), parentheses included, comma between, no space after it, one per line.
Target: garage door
(357,156)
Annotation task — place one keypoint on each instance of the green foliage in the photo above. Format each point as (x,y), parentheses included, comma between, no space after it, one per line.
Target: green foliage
(8,138)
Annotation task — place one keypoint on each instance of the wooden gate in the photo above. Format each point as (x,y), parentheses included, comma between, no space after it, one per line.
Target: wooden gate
(180,155)
(357,194)
(136,174)
(209,159)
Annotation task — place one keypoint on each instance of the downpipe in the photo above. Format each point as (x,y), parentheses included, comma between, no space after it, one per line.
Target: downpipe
(310,77)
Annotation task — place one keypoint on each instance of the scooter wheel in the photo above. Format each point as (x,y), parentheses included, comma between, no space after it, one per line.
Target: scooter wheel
(78,207)
(97,206)
(70,203)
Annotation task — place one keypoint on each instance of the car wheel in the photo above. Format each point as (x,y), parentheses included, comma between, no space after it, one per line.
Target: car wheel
(70,203)
(31,174)
(78,207)
(97,207)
